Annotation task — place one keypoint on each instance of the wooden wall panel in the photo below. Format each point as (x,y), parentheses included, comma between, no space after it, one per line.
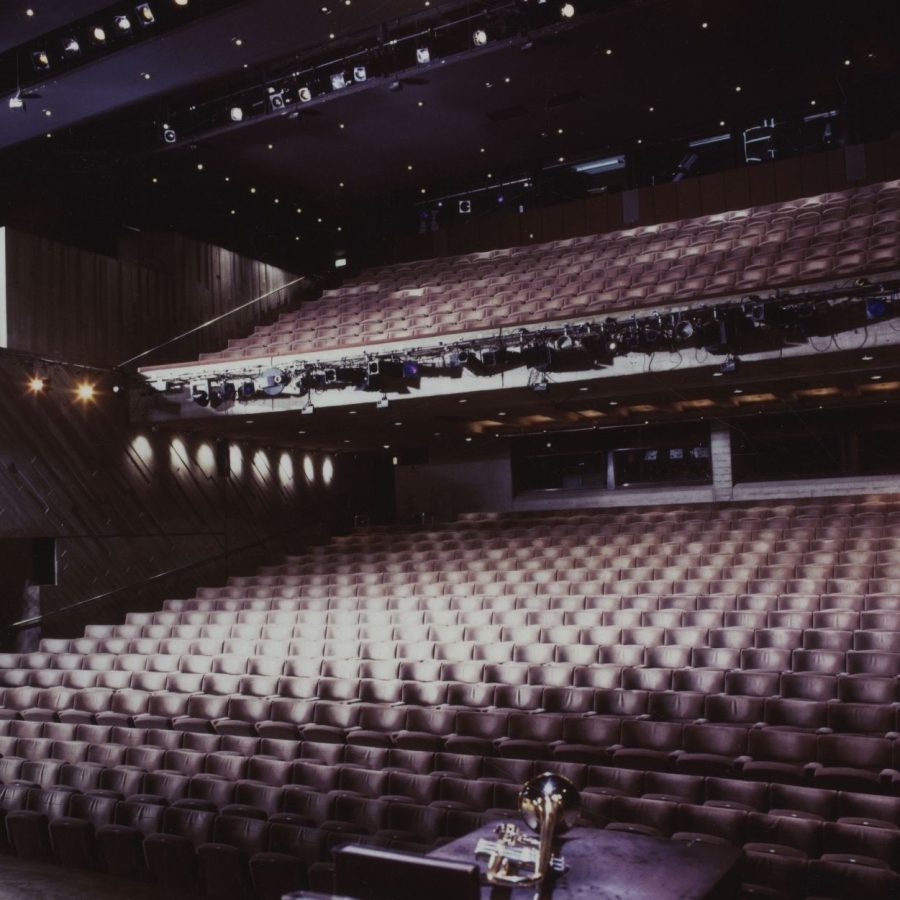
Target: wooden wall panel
(126,503)
(70,304)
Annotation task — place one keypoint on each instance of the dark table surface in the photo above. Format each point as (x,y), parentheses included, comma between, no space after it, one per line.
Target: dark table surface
(610,865)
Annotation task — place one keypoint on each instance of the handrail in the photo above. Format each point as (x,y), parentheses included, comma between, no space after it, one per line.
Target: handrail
(34,621)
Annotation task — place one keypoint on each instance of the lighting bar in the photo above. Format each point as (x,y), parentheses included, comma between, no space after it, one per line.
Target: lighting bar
(608,164)
(715,139)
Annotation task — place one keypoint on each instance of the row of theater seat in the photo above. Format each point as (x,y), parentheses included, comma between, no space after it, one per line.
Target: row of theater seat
(782,738)
(714,256)
(687,629)
(265,822)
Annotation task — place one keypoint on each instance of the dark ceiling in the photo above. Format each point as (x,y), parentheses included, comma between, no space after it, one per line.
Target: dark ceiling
(542,94)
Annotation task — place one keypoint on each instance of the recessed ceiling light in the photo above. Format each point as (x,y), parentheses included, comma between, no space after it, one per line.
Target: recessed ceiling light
(199,167)
(613,402)
(868,357)
(155,180)
(469,440)
(398,423)
(301,432)
(738,391)
(737,88)
(48,112)
(652,108)
(875,377)
(463,400)
(846,62)
(238,42)
(501,414)
(252,190)
(704,24)
(609,51)
(29,12)
(146,76)
(347,440)
(583,388)
(351,412)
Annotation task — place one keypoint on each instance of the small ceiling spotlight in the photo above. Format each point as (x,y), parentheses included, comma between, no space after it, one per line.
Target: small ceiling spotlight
(181,2)
(479,37)
(305,94)
(145,14)
(236,114)
(359,74)
(71,48)
(338,81)
(38,383)
(40,60)
(465,206)
(276,100)
(567,10)
(98,35)
(85,391)
(423,56)
(169,135)
(123,23)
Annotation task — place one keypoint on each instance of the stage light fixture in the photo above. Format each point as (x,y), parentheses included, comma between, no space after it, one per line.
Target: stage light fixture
(876,308)
(200,393)
(248,389)
(98,35)
(683,330)
(728,367)
(145,14)
(71,48)
(305,94)
(479,37)
(273,382)
(123,23)
(338,81)
(40,60)
(236,114)
(181,2)
(465,206)
(38,383)
(85,391)
(229,391)
(382,402)
(423,56)
(359,74)
(567,10)
(17,103)
(169,135)
(276,100)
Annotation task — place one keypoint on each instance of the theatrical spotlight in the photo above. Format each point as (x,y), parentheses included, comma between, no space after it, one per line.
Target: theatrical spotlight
(145,14)
(200,394)
(247,390)
(40,60)
(479,37)
(98,35)
(683,330)
(493,361)
(71,48)
(17,103)
(537,356)
(876,308)
(236,114)
(423,56)
(304,94)
(567,10)
(169,135)
(273,382)
(276,100)
(123,23)
(359,73)
(338,81)
(229,391)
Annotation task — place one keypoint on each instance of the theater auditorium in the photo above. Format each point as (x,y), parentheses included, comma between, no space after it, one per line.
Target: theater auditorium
(450,449)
